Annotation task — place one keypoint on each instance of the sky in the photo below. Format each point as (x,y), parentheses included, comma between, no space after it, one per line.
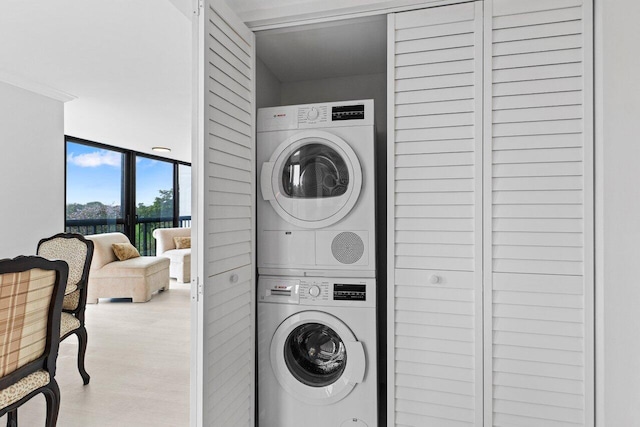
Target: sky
(94,174)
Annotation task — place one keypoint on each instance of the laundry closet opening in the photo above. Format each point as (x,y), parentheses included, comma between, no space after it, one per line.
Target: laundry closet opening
(335,61)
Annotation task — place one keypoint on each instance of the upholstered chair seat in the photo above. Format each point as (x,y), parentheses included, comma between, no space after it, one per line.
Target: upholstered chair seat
(71,301)
(68,323)
(23,387)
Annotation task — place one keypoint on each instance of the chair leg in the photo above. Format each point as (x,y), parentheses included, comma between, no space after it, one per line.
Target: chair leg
(82,350)
(52,396)
(12,418)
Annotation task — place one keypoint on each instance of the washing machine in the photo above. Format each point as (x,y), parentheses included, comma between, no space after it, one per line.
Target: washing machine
(316,352)
(316,173)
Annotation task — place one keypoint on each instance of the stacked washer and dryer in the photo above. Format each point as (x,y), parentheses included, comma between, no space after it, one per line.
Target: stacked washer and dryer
(317,266)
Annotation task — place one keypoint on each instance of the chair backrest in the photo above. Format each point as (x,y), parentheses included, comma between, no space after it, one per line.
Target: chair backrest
(75,250)
(164,238)
(31,293)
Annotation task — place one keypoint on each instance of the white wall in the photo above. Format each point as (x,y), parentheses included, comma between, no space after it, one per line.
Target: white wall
(31,170)
(620,114)
(268,86)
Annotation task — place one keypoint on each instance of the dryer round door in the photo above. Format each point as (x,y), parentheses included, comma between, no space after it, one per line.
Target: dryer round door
(316,358)
(312,180)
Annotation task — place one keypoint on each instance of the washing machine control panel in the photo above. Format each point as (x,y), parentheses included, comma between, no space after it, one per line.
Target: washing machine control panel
(336,292)
(314,290)
(320,291)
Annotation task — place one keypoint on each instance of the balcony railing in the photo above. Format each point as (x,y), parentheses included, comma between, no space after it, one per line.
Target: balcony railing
(93,226)
(144,240)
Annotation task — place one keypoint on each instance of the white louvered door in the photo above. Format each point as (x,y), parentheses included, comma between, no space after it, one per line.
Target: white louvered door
(491,215)
(538,213)
(224,163)
(435,217)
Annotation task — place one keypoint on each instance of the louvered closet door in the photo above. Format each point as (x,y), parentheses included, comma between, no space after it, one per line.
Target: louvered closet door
(435,158)
(539,214)
(225,219)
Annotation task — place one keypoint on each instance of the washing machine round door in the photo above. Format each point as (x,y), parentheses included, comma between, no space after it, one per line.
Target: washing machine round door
(312,180)
(316,358)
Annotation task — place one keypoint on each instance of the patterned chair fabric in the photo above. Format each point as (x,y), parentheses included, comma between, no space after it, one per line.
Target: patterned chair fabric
(31,294)
(69,249)
(71,301)
(68,323)
(77,252)
(24,306)
(23,387)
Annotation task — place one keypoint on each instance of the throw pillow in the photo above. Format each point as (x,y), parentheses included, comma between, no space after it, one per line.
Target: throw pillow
(125,251)
(182,242)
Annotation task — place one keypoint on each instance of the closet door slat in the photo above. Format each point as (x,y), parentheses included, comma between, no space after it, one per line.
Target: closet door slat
(224,157)
(435,353)
(538,214)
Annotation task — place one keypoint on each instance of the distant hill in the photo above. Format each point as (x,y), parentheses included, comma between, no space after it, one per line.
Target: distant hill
(93,210)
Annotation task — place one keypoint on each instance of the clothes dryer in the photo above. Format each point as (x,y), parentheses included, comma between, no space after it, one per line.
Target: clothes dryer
(316,208)
(317,352)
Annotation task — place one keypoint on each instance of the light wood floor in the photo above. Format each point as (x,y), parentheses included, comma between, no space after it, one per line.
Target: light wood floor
(138,359)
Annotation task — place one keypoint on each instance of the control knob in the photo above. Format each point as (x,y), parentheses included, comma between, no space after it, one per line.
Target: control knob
(314,291)
(313,113)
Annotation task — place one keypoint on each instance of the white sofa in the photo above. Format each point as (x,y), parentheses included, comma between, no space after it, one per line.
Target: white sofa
(180,267)
(135,278)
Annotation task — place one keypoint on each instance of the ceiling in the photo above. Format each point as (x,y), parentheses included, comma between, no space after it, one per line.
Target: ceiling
(127,63)
(327,50)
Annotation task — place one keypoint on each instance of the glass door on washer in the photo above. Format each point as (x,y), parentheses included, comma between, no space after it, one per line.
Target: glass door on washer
(315,355)
(316,358)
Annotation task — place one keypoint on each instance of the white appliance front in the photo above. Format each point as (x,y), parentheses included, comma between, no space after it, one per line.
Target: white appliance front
(312,180)
(316,211)
(316,352)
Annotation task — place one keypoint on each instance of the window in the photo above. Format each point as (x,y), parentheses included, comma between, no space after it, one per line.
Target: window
(154,200)
(110,189)
(95,191)
(184,192)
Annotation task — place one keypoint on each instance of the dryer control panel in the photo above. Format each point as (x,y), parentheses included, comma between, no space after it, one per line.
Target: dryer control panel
(312,116)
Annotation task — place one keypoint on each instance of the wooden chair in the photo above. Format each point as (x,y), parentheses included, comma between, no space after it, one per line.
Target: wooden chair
(77,252)
(31,294)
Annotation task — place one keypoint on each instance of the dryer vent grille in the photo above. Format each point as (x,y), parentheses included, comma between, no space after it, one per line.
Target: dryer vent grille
(347,247)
